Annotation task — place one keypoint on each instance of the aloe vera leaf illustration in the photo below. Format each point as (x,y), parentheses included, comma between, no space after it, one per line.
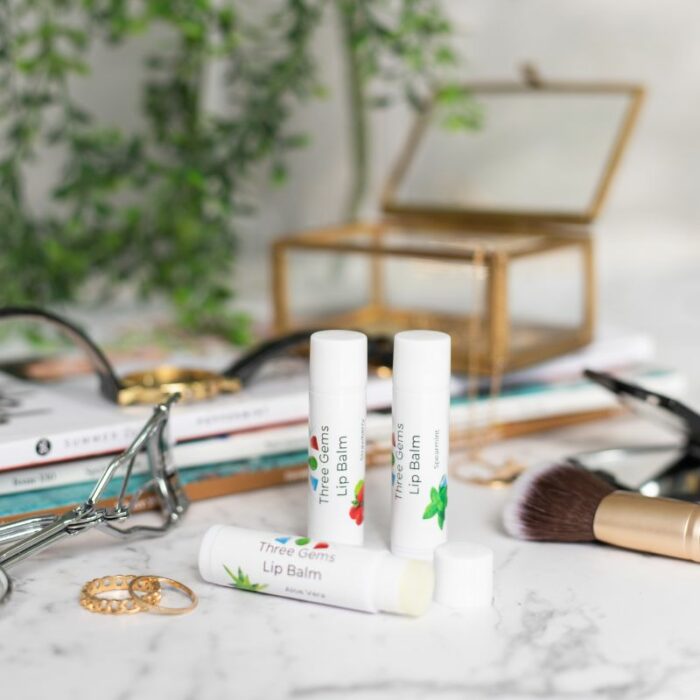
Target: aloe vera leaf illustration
(243,582)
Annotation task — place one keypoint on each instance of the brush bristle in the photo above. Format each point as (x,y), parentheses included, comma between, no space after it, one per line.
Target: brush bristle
(555,503)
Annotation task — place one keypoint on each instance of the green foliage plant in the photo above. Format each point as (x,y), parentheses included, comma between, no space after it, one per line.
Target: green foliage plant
(156,209)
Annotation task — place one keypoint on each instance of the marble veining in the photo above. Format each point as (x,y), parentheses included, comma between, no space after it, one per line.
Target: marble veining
(568,621)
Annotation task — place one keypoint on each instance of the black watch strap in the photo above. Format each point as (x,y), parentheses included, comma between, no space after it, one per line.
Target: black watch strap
(110,385)
(379,350)
(250,363)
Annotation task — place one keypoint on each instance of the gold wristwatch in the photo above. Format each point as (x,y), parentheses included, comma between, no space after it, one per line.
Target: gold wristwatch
(156,385)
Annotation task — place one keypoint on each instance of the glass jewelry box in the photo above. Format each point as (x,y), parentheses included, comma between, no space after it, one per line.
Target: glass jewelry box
(484,234)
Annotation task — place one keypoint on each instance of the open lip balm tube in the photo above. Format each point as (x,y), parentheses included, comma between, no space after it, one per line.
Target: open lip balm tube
(315,571)
(420,442)
(337,412)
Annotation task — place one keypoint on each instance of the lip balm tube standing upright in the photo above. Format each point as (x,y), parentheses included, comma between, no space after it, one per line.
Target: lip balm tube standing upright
(420,438)
(337,412)
(315,571)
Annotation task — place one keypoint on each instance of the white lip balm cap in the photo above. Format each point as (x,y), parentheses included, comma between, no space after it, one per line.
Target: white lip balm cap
(421,360)
(338,360)
(463,575)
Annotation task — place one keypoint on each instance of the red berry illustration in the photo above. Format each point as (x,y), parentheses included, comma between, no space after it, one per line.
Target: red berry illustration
(357,510)
(314,443)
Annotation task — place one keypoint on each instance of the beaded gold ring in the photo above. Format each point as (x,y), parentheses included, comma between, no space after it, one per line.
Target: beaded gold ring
(90,594)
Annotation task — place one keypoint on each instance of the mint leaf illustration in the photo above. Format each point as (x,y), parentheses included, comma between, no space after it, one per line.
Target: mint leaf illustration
(430,511)
(438,504)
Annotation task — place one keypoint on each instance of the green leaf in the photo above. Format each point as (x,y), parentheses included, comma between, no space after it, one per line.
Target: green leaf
(430,511)
(441,519)
(358,486)
(189,172)
(230,573)
(242,581)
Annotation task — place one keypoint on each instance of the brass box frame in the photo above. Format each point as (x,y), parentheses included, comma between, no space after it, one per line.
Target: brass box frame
(495,349)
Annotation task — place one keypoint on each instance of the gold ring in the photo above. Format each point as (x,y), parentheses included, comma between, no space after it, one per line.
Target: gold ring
(153,607)
(90,594)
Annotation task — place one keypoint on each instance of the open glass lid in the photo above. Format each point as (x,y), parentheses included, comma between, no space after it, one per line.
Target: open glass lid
(543,151)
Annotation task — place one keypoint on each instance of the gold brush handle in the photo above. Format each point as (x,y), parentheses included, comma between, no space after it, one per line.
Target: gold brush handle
(656,525)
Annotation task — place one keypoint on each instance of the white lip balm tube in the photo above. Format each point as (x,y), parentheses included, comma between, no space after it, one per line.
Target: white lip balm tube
(319,572)
(337,412)
(420,437)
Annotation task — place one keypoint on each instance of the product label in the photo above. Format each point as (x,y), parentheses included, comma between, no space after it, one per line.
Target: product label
(294,567)
(419,473)
(337,467)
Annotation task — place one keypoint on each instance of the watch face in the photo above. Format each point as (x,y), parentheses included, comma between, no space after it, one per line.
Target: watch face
(155,385)
(168,374)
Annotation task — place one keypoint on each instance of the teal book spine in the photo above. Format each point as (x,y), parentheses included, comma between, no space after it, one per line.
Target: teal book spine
(65,496)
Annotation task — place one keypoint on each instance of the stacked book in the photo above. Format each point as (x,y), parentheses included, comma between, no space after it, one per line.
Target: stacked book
(56,440)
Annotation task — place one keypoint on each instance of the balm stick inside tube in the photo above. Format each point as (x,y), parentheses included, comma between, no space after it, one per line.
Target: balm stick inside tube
(318,572)
(420,437)
(337,411)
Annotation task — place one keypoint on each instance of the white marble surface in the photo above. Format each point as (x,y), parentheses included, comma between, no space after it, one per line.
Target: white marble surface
(569,621)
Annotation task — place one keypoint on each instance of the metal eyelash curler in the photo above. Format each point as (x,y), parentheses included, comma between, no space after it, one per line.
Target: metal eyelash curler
(31,535)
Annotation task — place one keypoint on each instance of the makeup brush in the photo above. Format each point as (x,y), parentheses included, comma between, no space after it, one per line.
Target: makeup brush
(566,503)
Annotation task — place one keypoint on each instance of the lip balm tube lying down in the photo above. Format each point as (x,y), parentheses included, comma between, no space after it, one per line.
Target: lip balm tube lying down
(331,574)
